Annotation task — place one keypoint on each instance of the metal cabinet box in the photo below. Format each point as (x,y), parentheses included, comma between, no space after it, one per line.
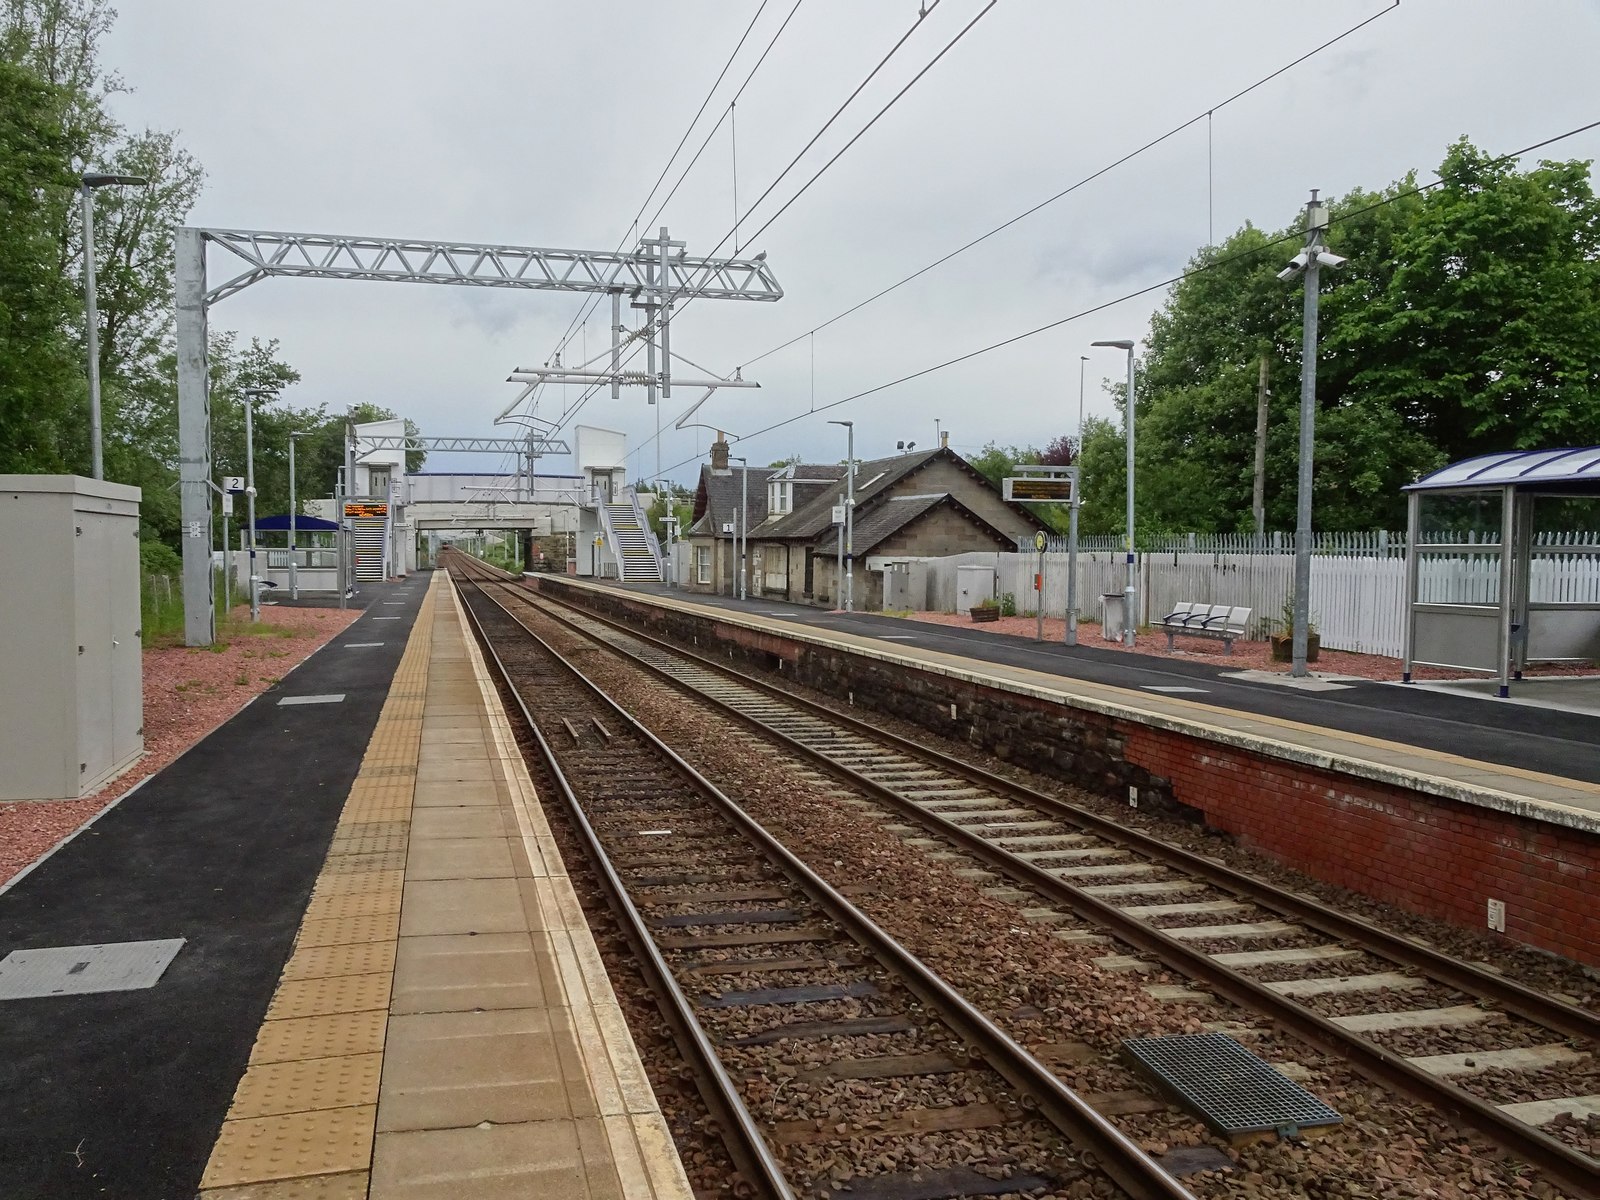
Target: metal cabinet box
(71,693)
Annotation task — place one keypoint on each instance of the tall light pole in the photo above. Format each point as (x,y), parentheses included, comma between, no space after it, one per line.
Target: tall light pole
(1314,256)
(294,513)
(1072,526)
(744,517)
(849,514)
(250,493)
(90,181)
(1130,591)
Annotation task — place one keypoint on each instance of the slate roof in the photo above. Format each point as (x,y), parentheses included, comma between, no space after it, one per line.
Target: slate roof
(888,518)
(872,477)
(719,496)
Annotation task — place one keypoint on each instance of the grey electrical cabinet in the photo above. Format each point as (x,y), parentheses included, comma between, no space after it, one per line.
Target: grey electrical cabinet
(71,694)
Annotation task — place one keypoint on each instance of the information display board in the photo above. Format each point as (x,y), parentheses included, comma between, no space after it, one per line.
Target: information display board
(365,508)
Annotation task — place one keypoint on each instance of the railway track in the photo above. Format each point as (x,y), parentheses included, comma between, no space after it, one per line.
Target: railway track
(751,953)
(1441,1030)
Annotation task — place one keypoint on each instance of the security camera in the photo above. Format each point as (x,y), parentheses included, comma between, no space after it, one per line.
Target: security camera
(1301,260)
(1288,273)
(1326,258)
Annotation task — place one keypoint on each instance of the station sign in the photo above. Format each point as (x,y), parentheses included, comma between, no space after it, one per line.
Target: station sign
(233,483)
(1039,490)
(365,508)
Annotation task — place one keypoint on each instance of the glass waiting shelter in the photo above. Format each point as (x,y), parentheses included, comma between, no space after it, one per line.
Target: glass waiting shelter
(1503,563)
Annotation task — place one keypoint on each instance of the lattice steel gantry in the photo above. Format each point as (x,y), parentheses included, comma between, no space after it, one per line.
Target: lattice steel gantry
(649,270)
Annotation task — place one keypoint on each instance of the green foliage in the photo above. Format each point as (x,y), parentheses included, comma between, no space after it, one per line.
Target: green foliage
(1008,604)
(1467,320)
(158,558)
(41,388)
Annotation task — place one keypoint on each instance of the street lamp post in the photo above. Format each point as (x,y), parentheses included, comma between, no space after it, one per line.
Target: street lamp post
(1130,591)
(250,496)
(744,518)
(90,181)
(849,514)
(1072,517)
(1307,263)
(294,512)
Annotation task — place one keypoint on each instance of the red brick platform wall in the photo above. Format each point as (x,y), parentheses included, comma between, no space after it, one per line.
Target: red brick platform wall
(1425,853)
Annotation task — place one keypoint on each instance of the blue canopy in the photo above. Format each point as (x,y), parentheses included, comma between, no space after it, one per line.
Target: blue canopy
(280,524)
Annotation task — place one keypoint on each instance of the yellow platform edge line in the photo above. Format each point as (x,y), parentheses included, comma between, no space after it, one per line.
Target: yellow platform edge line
(303,1113)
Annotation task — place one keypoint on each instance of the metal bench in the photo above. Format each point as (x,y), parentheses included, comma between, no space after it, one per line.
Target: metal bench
(1206,620)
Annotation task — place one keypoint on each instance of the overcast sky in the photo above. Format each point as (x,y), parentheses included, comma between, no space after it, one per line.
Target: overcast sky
(545,124)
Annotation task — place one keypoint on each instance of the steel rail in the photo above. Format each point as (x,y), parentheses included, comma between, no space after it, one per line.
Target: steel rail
(1113,1152)
(1561,1162)
(740,1133)
(1560,1017)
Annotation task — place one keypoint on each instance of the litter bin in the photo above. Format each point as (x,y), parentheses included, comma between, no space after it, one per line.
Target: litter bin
(1113,618)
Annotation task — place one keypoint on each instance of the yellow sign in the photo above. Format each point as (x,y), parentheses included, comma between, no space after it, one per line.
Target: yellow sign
(365,509)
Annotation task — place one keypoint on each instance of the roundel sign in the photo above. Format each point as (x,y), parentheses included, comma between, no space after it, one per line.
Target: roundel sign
(1040,541)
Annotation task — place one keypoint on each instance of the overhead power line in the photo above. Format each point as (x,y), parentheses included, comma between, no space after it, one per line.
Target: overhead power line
(1204,115)
(589,302)
(686,296)
(1210,265)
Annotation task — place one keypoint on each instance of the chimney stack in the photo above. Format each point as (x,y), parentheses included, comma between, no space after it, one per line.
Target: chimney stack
(944,440)
(719,455)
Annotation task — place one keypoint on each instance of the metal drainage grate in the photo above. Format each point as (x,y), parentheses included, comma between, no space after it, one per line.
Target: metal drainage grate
(1233,1090)
(82,970)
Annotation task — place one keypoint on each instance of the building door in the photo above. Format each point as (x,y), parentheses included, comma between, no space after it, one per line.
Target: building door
(811,563)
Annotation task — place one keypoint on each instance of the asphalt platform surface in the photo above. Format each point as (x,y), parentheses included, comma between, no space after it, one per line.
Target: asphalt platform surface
(1535,739)
(122,1094)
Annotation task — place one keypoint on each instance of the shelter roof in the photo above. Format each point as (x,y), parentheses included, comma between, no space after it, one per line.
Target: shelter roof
(1530,470)
(302,524)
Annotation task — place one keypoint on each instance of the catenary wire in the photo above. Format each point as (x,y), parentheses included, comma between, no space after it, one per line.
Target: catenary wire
(594,389)
(589,305)
(1086,180)
(1209,265)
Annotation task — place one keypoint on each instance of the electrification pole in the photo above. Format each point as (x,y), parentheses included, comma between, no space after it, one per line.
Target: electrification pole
(849,514)
(1308,263)
(1072,519)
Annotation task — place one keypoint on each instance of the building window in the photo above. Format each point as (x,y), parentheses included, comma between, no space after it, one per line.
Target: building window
(702,564)
(780,496)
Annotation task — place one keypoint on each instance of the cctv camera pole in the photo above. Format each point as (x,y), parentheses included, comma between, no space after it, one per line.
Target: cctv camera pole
(1316,222)
(250,499)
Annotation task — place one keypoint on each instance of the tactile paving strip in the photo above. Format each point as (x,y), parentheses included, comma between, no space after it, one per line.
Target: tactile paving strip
(292,1145)
(367,902)
(1232,1090)
(339,930)
(356,958)
(270,1089)
(337,1035)
(330,994)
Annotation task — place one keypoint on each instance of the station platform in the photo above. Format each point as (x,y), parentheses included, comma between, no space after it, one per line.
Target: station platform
(385,987)
(1439,801)
(1551,753)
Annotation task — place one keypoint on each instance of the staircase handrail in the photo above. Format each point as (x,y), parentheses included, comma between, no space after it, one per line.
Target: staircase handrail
(650,537)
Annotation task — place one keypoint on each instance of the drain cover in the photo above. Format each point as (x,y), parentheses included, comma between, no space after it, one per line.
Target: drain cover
(1231,1089)
(81,970)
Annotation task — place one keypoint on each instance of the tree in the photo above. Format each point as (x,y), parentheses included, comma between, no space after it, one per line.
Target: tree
(42,398)
(1466,320)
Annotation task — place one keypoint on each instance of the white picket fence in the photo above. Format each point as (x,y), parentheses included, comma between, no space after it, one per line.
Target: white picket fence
(1357,598)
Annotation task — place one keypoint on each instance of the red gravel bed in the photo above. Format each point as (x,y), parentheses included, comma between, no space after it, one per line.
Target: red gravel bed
(187,694)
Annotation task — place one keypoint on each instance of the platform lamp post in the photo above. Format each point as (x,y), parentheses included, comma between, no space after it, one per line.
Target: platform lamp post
(744,518)
(849,514)
(294,513)
(1307,263)
(1130,591)
(1071,638)
(90,180)
(250,395)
